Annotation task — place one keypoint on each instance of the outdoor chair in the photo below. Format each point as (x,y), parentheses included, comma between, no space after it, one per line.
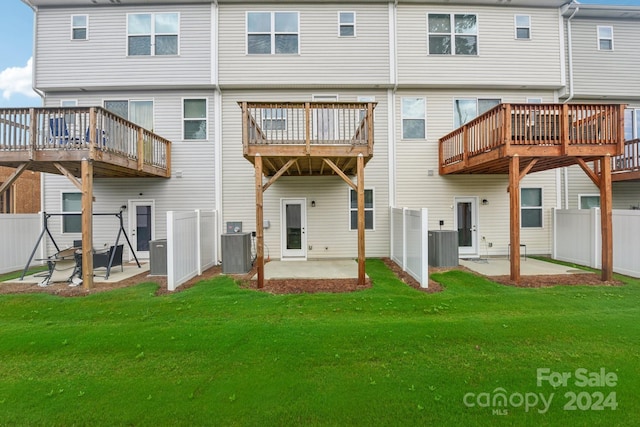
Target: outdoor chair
(101,259)
(59,131)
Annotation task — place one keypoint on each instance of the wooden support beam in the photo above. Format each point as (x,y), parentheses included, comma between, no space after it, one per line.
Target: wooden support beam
(514,214)
(590,173)
(69,175)
(527,168)
(259,222)
(606,221)
(342,175)
(87,223)
(15,175)
(278,174)
(361,222)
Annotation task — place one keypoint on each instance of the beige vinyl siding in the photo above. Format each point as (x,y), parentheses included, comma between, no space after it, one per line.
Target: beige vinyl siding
(323,59)
(328,222)
(416,188)
(102,61)
(196,159)
(501,61)
(602,73)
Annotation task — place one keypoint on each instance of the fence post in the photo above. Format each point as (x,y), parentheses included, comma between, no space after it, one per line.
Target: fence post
(170,259)
(404,238)
(554,234)
(424,274)
(199,241)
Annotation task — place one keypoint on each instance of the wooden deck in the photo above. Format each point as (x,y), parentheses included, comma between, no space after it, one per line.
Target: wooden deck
(550,135)
(55,139)
(626,166)
(308,138)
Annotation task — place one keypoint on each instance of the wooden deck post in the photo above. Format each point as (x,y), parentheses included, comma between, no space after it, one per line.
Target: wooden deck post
(514,214)
(606,221)
(361,222)
(87,223)
(259,222)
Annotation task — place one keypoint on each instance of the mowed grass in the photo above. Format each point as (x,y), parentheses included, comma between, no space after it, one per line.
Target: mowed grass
(216,354)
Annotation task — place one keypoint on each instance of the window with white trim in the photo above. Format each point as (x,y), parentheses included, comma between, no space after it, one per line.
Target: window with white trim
(605,37)
(631,124)
(452,34)
(79,27)
(72,203)
(151,34)
(194,118)
(588,201)
(523,27)
(139,112)
(347,24)
(534,100)
(368,209)
(531,207)
(466,109)
(414,118)
(272,33)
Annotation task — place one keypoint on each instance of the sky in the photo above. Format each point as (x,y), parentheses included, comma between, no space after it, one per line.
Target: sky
(16,31)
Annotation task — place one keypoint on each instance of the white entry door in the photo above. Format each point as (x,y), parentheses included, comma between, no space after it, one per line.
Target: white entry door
(466,222)
(141,226)
(293,216)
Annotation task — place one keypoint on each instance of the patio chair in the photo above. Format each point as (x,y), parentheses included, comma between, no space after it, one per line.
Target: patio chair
(63,266)
(101,259)
(59,131)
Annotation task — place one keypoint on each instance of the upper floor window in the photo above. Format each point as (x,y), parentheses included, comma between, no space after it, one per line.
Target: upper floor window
(468,109)
(272,33)
(452,34)
(414,118)
(152,34)
(138,112)
(79,27)
(531,207)
(194,115)
(347,24)
(605,38)
(523,27)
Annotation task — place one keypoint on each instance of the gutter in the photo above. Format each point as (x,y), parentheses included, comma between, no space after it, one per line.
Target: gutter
(565,170)
(33,56)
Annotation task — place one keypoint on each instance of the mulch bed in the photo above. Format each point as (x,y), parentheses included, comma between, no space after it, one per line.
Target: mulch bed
(296,286)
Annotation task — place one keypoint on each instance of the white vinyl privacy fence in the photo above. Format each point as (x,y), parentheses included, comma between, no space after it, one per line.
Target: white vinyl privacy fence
(191,245)
(577,238)
(19,233)
(409,242)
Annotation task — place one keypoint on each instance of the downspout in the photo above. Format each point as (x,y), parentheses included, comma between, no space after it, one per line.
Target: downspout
(391,99)
(217,96)
(565,170)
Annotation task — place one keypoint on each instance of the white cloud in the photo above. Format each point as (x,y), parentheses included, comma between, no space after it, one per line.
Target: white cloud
(17,80)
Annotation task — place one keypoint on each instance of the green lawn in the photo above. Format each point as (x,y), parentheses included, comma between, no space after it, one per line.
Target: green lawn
(216,354)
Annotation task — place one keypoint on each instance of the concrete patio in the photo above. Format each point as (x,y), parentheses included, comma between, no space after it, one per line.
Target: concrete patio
(317,269)
(528,267)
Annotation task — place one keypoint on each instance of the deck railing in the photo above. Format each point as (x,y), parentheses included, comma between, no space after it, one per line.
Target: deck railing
(629,160)
(307,123)
(523,125)
(79,128)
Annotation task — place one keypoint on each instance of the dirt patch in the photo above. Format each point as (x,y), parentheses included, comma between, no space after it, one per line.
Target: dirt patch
(543,281)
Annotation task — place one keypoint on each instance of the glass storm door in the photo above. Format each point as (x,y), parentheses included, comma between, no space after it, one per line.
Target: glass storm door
(466,222)
(294,237)
(141,226)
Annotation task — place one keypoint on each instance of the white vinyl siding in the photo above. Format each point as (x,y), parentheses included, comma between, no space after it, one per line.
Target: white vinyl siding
(194,114)
(502,60)
(273,33)
(102,62)
(523,27)
(605,37)
(610,74)
(414,118)
(79,27)
(531,207)
(347,24)
(452,34)
(369,214)
(152,34)
(324,60)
